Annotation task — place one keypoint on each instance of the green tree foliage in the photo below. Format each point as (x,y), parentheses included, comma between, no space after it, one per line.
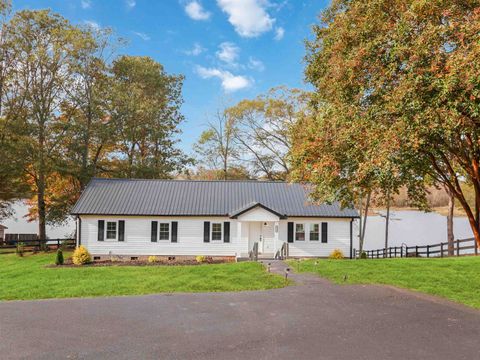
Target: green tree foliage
(145,110)
(68,114)
(12,181)
(397,98)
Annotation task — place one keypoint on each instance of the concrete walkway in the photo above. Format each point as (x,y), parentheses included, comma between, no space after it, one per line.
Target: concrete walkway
(314,319)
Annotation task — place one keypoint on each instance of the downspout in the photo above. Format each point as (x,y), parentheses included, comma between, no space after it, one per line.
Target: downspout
(351,238)
(79,231)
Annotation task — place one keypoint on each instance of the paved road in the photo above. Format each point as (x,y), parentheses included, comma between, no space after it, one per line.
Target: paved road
(313,320)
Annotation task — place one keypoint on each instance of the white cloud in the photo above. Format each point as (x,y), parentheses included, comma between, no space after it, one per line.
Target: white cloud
(228,53)
(195,10)
(86,4)
(230,82)
(141,35)
(255,64)
(196,50)
(279,32)
(248,17)
(92,24)
(130,3)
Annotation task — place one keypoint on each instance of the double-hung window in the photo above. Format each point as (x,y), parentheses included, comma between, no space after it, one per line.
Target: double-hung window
(217,231)
(299,232)
(111,230)
(164,233)
(314,232)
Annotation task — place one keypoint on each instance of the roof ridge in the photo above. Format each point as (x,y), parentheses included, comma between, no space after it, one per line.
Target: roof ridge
(195,180)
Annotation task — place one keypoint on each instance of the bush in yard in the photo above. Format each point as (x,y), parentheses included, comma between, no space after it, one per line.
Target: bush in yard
(81,256)
(59,257)
(336,254)
(152,259)
(363,255)
(200,258)
(20,249)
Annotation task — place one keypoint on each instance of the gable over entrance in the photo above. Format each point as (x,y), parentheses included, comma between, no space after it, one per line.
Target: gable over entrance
(257,212)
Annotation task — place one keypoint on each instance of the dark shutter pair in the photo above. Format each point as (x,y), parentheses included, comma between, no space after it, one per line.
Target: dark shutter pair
(121,230)
(226,231)
(324,232)
(154,231)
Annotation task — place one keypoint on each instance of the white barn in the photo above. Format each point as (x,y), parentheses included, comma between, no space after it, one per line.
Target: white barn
(137,218)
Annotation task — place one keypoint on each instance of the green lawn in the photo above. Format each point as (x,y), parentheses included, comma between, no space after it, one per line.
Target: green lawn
(457,279)
(28,278)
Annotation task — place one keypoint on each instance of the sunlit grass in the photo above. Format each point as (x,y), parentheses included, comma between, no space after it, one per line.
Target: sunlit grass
(28,278)
(456,278)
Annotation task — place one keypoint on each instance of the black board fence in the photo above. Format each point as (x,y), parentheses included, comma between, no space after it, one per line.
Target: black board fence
(37,244)
(460,247)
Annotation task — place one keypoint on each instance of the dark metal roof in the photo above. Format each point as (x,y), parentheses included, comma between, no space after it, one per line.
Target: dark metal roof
(198,198)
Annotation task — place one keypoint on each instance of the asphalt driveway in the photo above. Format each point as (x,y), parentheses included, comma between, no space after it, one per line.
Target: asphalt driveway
(313,320)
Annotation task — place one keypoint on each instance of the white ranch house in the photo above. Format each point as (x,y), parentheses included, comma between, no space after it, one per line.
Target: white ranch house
(136,218)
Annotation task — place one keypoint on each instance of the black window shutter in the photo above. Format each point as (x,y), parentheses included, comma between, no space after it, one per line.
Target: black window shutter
(101,229)
(154,231)
(206,231)
(290,232)
(121,230)
(226,231)
(324,232)
(174,231)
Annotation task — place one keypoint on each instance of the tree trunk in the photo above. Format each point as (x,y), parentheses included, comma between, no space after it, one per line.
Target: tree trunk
(364,225)
(387,222)
(42,233)
(450,236)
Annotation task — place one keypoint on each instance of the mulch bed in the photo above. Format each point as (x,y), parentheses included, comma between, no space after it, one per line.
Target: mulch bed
(99,263)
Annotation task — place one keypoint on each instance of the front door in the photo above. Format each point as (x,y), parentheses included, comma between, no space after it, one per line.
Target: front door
(268,238)
(255,235)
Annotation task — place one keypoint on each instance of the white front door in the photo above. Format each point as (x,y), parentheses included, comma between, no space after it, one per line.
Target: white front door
(255,235)
(268,238)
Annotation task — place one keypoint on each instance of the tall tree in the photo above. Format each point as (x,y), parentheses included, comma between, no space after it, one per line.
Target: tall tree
(145,108)
(263,127)
(91,133)
(12,181)
(43,45)
(409,70)
(216,147)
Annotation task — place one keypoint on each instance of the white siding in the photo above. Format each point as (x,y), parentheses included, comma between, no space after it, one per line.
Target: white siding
(138,240)
(190,237)
(338,237)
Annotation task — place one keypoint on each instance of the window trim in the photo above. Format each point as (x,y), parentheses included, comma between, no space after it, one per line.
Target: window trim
(169,230)
(304,232)
(221,231)
(318,232)
(106,238)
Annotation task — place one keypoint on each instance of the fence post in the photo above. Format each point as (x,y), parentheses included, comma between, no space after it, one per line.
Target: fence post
(458,247)
(416,250)
(441,249)
(428,251)
(475,246)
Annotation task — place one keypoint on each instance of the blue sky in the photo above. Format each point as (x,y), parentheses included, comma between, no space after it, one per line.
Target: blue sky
(228,50)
